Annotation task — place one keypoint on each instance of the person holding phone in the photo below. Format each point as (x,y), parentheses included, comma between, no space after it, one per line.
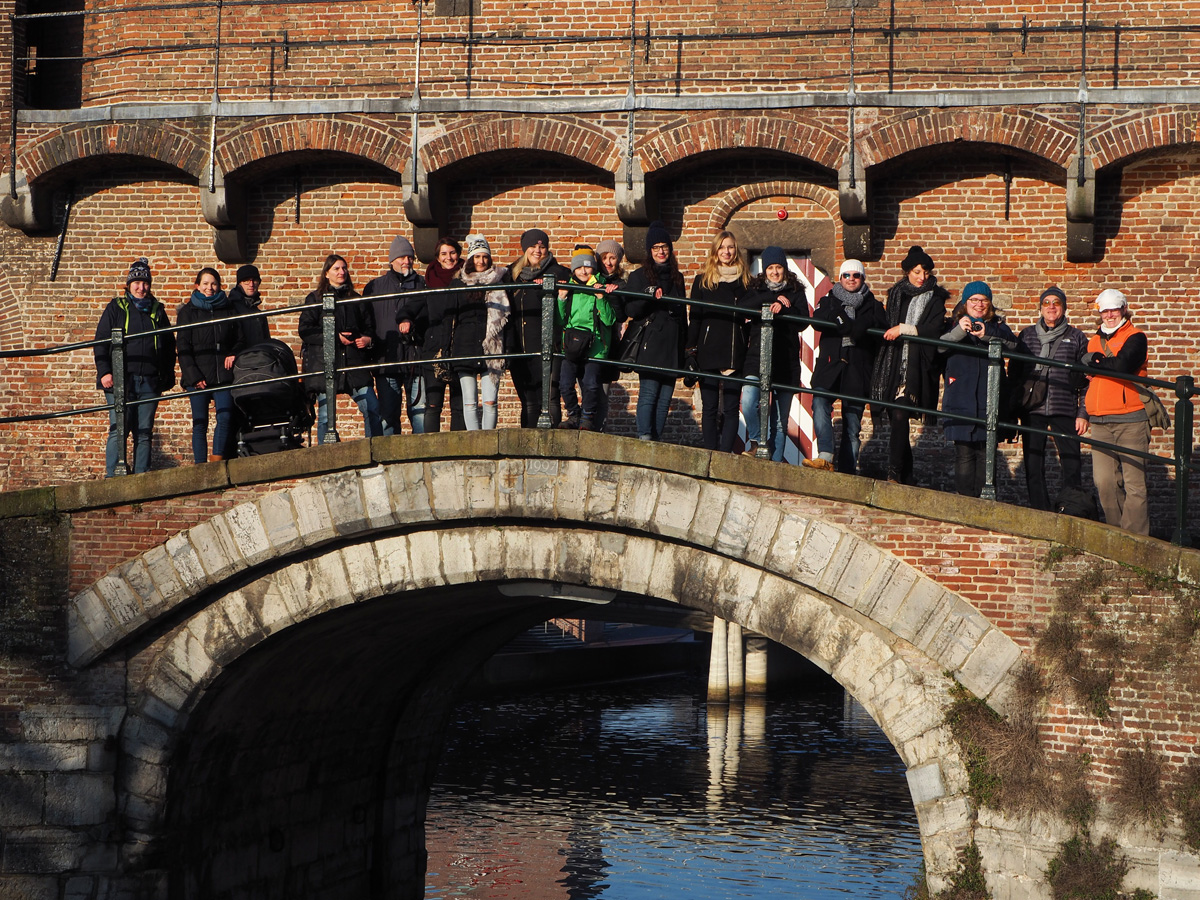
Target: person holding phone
(972,324)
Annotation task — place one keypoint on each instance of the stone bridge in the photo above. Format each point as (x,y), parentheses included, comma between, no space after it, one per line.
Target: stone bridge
(232,680)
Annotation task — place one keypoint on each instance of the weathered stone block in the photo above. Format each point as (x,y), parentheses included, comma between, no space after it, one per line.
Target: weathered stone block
(167,588)
(540,480)
(362,570)
(989,663)
(313,519)
(70,722)
(710,513)
(266,600)
(448,489)
(122,601)
(22,797)
(637,495)
(425,553)
(79,799)
(762,537)
(458,557)
(737,524)
(377,500)
(216,549)
(249,533)
(636,565)
(571,490)
(488,547)
(394,569)
(22,757)
(216,635)
(410,492)
(820,542)
(186,562)
(925,783)
(279,521)
(602,493)
(345,502)
(677,502)
(41,851)
(916,608)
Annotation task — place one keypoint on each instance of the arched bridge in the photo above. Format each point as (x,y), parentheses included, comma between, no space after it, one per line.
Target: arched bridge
(232,680)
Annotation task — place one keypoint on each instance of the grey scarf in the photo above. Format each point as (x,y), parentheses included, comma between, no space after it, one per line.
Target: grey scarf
(1049,337)
(851,301)
(498,311)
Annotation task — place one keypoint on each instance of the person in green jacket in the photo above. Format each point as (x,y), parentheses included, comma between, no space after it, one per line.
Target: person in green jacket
(585,320)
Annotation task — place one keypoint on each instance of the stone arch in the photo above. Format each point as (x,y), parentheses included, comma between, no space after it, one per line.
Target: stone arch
(887,633)
(95,144)
(1029,131)
(694,136)
(574,139)
(348,135)
(11,320)
(735,199)
(1141,131)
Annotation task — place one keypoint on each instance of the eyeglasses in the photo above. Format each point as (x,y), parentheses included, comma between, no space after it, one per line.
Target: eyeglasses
(851,275)
(660,248)
(1052,301)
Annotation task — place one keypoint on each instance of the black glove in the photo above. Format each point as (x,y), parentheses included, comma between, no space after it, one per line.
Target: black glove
(689,363)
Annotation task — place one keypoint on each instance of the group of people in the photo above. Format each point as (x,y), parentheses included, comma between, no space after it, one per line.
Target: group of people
(470,320)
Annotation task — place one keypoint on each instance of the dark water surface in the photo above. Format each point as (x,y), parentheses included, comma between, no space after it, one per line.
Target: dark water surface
(640,791)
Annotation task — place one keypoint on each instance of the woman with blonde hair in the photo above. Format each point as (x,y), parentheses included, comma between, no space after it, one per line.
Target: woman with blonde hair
(716,340)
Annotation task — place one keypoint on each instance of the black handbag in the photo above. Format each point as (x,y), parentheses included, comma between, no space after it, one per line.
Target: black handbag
(630,345)
(1032,394)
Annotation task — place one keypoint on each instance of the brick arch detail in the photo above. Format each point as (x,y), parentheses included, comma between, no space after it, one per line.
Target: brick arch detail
(11,327)
(693,137)
(727,206)
(164,142)
(1142,131)
(350,135)
(1029,131)
(566,137)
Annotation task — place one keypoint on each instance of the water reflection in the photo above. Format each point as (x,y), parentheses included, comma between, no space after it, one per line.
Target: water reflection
(640,791)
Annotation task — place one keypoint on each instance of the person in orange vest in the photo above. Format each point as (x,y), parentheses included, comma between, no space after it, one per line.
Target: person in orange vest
(1116,414)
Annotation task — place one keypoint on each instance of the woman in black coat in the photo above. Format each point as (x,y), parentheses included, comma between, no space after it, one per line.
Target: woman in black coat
(779,288)
(907,372)
(664,333)
(845,358)
(206,353)
(716,340)
(524,331)
(355,327)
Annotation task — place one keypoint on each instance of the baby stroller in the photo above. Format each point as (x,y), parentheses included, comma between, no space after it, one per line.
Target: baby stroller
(267,391)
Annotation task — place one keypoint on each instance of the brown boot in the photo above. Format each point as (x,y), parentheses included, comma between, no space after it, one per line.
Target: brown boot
(216,457)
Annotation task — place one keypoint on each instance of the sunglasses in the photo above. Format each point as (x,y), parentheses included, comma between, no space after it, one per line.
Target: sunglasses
(851,275)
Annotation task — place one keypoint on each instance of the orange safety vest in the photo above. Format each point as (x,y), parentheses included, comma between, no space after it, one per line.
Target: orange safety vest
(1107,396)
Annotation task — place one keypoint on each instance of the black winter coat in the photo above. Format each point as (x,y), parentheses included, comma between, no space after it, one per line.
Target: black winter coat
(665,336)
(455,323)
(256,330)
(785,357)
(967,377)
(717,338)
(841,368)
(202,349)
(356,319)
(524,330)
(152,357)
(394,346)
(923,375)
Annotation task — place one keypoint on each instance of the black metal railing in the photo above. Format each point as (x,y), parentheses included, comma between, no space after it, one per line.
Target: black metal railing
(1183,387)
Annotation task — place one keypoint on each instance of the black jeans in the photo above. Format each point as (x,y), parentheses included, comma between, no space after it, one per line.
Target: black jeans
(725,397)
(970,467)
(1034,451)
(527,379)
(900,455)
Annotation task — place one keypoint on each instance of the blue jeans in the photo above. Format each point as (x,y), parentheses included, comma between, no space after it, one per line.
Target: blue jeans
(852,414)
(390,392)
(223,401)
(654,402)
(368,405)
(781,403)
(139,420)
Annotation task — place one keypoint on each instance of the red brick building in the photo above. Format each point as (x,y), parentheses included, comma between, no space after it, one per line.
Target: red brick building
(1014,143)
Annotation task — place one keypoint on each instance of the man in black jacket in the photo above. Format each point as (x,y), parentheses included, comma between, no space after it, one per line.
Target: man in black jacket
(149,366)
(393,381)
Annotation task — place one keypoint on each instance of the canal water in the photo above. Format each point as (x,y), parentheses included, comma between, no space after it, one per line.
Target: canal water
(640,790)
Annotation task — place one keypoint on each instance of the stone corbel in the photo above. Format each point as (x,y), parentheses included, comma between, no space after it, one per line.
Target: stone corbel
(425,208)
(224,208)
(854,205)
(637,207)
(1081,211)
(31,210)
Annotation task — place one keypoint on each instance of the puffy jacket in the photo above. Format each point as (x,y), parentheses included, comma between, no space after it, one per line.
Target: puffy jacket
(393,346)
(1112,396)
(785,348)
(152,356)
(967,377)
(203,348)
(665,335)
(1064,389)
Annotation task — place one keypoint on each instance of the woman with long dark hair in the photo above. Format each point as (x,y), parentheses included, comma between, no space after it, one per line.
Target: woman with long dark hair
(907,372)
(664,334)
(355,328)
(535,263)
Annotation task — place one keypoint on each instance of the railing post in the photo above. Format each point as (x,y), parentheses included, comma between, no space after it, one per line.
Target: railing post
(766,353)
(548,299)
(329,338)
(995,369)
(120,410)
(1185,388)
